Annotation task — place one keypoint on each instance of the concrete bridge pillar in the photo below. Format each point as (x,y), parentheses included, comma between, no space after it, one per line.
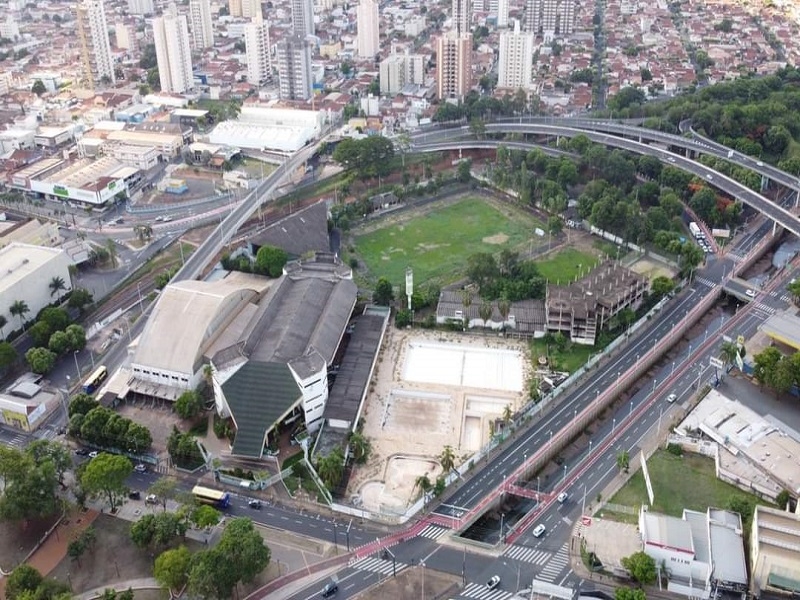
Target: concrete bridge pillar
(764,182)
(774,228)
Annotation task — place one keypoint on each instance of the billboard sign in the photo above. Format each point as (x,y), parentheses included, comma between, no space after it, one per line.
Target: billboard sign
(721,233)
(647,482)
(716,362)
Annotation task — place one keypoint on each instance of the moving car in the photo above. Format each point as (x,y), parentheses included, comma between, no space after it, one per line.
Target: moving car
(671,398)
(329,590)
(256,504)
(493,582)
(562,497)
(140,468)
(93,454)
(539,530)
(751,293)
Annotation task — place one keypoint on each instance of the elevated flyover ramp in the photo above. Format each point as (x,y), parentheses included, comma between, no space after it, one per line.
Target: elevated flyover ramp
(739,288)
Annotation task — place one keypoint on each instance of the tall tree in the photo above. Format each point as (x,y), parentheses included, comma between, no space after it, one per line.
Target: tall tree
(172,570)
(383,294)
(57,285)
(111,248)
(641,567)
(19,308)
(447,459)
(105,476)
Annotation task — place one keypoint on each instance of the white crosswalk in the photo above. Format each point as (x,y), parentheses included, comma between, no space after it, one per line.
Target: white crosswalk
(17,441)
(529,555)
(555,566)
(481,592)
(378,565)
(433,532)
(760,306)
(786,298)
(706,282)
(734,257)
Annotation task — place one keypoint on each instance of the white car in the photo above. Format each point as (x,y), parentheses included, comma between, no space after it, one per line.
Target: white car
(751,293)
(140,468)
(539,530)
(493,582)
(562,497)
(671,398)
(93,454)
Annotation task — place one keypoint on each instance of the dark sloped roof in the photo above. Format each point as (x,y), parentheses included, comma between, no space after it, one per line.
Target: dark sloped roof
(529,314)
(258,395)
(301,232)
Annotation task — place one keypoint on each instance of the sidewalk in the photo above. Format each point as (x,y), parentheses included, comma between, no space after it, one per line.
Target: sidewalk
(147,583)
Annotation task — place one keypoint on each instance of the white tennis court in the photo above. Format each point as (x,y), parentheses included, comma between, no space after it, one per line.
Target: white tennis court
(467,366)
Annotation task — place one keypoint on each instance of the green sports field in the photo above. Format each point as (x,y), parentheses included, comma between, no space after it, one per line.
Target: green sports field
(436,244)
(563,266)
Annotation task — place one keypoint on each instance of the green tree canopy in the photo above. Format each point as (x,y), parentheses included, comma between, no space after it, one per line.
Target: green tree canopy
(189,404)
(641,567)
(172,569)
(40,360)
(105,476)
(383,294)
(271,260)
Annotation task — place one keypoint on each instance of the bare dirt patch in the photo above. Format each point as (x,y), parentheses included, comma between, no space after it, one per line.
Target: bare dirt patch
(409,584)
(498,238)
(157,416)
(651,268)
(25,536)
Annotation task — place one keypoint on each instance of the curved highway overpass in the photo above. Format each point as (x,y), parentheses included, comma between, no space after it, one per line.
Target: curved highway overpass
(453,139)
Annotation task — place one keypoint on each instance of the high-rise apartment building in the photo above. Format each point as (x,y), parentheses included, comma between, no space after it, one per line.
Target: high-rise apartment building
(368,29)
(294,68)
(141,7)
(173,51)
(125,34)
(550,17)
(462,16)
(400,70)
(257,47)
(250,8)
(502,14)
(97,62)
(454,60)
(9,29)
(202,29)
(235,8)
(303,17)
(515,62)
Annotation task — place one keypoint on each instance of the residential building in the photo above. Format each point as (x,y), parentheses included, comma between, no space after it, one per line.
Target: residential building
(125,34)
(368,29)
(25,404)
(703,553)
(502,14)
(462,16)
(9,30)
(6,83)
(515,63)
(400,70)
(173,54)
(294,68)
(27,271)
(454,56)
(550,17)
(201,27)
(257,48)
(235,8)
(97,63)
(581,309)
(774,553)
(302,17)
(251,9)
(141,7)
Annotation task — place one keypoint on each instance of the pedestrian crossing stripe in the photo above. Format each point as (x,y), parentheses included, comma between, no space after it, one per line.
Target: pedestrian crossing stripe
(555,566)
(481,592)
(379,565)
(764,308)
(707,282)
(433,532)
(529,555)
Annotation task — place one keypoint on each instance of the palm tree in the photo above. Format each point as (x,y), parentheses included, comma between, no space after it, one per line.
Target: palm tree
(485,312)
(19,309)
(507,415)
(504,308)
(143,232)
(729,351)
(466,300)
(447,459)
(3,323)
(359,446)
(330,468)
(111,248)
(56,285)
(423,482)
(623,460)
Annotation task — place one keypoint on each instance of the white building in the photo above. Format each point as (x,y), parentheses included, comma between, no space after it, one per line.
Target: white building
(462,16)
(269,128)
(141,157)
(201,27)
(550,17)
(400,70)
(141,7)
(97,62)
(775,553)
(303,17)
(502,14)
(258,49)
(6,83)
(295,78)
(368,36)
(125,34)
(173,54)
(25,275)
(702,552)
(515,63)
(9,29)
(251,9)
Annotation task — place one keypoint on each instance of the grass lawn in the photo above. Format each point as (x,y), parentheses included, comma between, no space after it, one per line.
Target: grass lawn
(679,482)
(438,243)
(563,266)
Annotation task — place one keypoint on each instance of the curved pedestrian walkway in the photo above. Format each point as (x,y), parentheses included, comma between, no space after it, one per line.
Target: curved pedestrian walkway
(146,583)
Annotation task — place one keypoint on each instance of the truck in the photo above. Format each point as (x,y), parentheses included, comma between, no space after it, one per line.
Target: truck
(695,229)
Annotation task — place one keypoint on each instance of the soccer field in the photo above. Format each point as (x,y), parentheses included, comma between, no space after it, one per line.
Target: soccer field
(436,244)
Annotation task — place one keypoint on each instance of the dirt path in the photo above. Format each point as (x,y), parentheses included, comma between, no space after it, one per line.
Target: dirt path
(54,549)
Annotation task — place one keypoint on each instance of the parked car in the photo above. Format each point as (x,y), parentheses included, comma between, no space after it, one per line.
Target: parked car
(82,452)
(151,499)
(493,582)
(140,468)
(93,454)
(135,495)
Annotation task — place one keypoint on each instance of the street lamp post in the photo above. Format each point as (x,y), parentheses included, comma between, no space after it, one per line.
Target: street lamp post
(613,425)
(673,368)
(630,412)
(502,523)
(77,366)
(565,474)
